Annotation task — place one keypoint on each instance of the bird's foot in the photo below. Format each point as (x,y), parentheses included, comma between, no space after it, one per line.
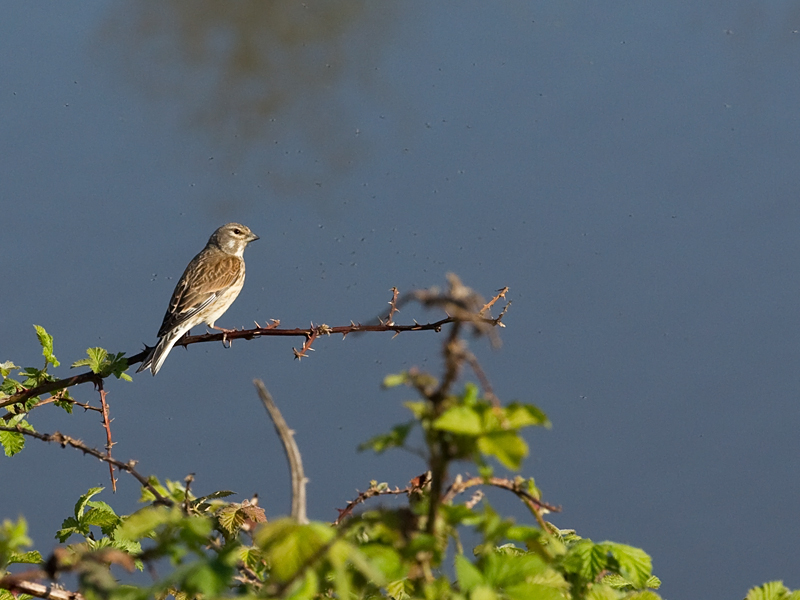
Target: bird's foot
(226,343)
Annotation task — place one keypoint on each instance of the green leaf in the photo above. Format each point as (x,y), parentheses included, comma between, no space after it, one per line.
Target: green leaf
(307,588)
(526,591)
(400,589)
(102,517)
(483,592)
(105,364)
(468,575)
(13,537)
(634,564)
(12,441)
(288,546)
(394,439)
(6,368)
(97,356)
(524,415)
(508,447)
(80,505)
(463,420)
(391,381)
(586,559)
(231,518)
(386,560)
(773,590)
(420,408)
(30,558)
(143,522)
(46,340)
(207,578)
(602,591)
(69,526)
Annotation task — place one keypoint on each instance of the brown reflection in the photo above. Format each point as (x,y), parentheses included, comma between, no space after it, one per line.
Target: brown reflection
(276,85)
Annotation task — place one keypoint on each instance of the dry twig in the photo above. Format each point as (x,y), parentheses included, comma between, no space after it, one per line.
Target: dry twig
(65,440)
(292,454)
(21,583)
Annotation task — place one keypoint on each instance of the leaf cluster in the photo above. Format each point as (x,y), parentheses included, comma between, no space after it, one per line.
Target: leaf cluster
(210,547)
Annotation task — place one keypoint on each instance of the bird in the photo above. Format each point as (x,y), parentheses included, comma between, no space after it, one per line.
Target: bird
(207,288)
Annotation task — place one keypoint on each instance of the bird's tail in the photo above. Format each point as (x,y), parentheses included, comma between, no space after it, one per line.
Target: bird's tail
(159,354)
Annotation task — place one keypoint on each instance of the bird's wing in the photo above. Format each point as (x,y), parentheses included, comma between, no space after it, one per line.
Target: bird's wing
(199,286)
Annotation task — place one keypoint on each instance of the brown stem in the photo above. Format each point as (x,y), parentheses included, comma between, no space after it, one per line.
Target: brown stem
(292,454)
(65,440)
(107,427)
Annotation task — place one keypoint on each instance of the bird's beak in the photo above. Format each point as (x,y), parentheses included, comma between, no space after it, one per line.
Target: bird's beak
(253,237)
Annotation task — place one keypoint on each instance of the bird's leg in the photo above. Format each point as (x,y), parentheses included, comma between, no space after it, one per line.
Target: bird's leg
(224,331)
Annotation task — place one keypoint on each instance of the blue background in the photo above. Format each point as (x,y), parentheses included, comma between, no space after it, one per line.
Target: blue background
(628,169)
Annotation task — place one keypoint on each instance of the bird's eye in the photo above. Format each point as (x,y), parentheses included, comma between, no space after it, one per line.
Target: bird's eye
(237,231)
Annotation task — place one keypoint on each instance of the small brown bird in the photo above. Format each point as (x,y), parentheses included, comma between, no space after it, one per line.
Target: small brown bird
(207,288)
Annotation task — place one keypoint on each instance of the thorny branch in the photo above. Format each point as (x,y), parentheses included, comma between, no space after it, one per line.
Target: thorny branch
(65,440)
(54,398)
(379,489)
(107,427)
(517,486)
(459,486)
(454,307)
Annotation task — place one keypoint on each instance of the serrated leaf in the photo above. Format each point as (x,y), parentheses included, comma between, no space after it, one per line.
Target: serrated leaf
(80,505)
(12,441)
(400,589)
(128,546)
(6,368)
(654,582)
(773,590)
(31,558)
(46,340)
(634,564)
(586,559)
(231,518)
(95,361)
(107,521)
(69,527)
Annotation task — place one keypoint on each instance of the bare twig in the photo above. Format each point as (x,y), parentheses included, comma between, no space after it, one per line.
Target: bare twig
(54,398)
(51,386)
(107,427)
(501,293)
(65,440)
(392,307)
(373,491)
(292,454)
(21,584)
(481,375)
